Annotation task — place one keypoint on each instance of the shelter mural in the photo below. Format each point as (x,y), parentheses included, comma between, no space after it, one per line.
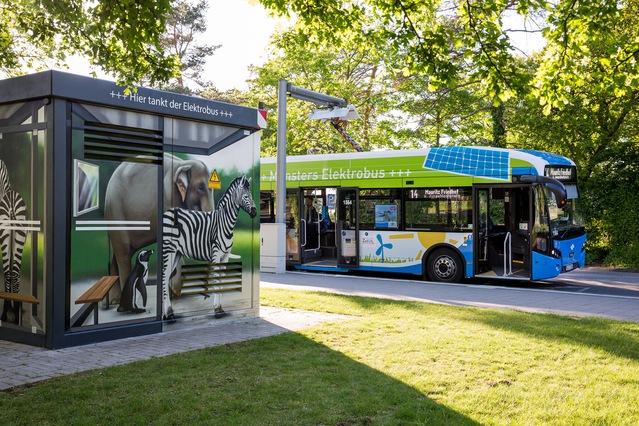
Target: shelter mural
(21,192)
(101,191)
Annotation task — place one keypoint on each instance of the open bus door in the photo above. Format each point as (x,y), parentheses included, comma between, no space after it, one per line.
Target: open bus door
(347,227)
(502,216)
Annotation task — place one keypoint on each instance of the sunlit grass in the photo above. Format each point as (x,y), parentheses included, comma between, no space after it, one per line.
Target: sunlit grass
(496,367)
(394,363)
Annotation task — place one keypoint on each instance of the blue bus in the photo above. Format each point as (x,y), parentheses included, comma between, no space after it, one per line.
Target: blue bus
(442,213)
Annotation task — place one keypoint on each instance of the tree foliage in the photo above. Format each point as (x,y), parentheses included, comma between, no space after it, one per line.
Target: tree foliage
(445,116)
(121,37)
(397,111)
(184,24)
(453,41)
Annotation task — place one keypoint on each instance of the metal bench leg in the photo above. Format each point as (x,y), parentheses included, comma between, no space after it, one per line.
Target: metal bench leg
(95,313)
(19,312)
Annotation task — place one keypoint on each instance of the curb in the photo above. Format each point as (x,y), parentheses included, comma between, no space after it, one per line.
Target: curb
(610,269)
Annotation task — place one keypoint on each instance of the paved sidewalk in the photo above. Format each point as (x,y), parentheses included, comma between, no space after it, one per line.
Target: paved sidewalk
(482,296)
(22,364)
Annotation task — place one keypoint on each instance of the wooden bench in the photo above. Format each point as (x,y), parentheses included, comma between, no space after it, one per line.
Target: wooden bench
(91,298)
(19,299)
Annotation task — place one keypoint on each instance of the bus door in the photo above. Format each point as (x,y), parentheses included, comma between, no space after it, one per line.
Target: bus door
(347,227)
(311,208)
(294,231)
(502,214)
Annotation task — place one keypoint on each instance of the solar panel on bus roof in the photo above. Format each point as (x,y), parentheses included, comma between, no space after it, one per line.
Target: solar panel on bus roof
(469,161)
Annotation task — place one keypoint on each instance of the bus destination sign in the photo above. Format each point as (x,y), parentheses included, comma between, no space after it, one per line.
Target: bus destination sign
(562,173)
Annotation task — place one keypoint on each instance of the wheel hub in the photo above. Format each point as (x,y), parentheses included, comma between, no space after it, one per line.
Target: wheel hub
(444,267)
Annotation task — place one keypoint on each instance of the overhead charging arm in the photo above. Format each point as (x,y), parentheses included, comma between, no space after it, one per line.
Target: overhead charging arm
(339,126)
(554,185)
(336,111)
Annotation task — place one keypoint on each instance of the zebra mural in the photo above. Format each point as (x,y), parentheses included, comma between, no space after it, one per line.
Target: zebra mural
(13,210)
(4,179)
(204,236)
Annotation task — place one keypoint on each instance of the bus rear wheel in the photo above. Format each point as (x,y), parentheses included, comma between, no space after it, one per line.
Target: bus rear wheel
(444,266)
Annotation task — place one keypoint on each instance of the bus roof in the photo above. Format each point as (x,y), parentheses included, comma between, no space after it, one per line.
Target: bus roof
(464,164)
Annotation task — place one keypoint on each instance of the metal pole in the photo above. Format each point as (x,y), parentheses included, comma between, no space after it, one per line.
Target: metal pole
(280,170)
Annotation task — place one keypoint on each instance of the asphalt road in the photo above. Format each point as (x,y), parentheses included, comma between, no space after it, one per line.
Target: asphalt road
(604,281)
(588,280)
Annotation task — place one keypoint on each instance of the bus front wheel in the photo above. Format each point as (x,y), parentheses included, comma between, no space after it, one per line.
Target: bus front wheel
(444,266)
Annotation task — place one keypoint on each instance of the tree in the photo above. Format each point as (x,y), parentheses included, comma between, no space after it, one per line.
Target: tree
(599,130)
(442,39)
(183,25)
(120,37)
(451,116)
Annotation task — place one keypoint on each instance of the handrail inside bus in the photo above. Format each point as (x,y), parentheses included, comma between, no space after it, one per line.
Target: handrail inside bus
(319,234)
(304,228)
(507,254)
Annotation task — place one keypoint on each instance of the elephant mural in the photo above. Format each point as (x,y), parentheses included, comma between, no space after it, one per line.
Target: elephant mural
(131,194)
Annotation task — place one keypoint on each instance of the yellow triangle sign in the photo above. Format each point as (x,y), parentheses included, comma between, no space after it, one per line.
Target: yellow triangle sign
(214,182)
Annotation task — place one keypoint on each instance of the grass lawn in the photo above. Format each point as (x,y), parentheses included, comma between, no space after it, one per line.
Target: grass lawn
(396,363)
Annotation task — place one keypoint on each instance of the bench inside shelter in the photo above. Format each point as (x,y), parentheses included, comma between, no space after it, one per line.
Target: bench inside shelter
(91,298)
(19,299)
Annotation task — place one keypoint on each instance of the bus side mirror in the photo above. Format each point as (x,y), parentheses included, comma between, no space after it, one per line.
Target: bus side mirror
(559,192)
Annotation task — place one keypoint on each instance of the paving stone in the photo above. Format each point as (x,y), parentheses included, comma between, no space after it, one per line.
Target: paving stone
(22,364)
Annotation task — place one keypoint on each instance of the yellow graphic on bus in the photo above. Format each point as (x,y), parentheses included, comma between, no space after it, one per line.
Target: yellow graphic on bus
(401,237)
(214,182)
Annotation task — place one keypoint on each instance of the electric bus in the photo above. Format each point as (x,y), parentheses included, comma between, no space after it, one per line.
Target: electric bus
(441,213)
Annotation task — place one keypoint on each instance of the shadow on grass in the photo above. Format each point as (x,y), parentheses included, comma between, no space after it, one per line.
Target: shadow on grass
(286,379)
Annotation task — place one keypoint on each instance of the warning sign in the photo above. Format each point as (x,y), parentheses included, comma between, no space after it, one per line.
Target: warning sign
(214,182)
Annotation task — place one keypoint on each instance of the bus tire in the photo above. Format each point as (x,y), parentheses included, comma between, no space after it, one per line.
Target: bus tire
(445,266)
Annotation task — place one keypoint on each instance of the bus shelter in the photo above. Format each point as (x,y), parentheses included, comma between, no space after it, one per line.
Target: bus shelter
(123,213)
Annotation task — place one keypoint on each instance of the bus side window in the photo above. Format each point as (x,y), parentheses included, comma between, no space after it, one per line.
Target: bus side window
(368,199)
(439,209)
(267,206)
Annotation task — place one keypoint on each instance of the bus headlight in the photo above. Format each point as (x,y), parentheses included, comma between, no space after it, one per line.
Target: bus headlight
(555,253)
(583,247)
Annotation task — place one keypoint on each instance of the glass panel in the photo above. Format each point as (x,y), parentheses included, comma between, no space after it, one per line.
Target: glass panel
(439,209)
(567,220)
(497,213)
(267,206)
(541,228)
(216,274)
(347,216)
(114,228)
(311,215)
(7,111)
(22,212)
(120,117)
(482,225)
(292,226)
(347,200)
(369,208)
(200,135)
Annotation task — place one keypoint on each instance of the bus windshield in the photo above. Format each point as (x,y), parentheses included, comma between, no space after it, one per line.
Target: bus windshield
(567,221)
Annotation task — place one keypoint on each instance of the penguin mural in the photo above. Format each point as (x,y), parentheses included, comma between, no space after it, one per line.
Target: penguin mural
(136,283)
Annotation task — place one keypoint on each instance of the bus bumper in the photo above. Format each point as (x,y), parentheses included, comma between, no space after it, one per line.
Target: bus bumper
(573,253)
